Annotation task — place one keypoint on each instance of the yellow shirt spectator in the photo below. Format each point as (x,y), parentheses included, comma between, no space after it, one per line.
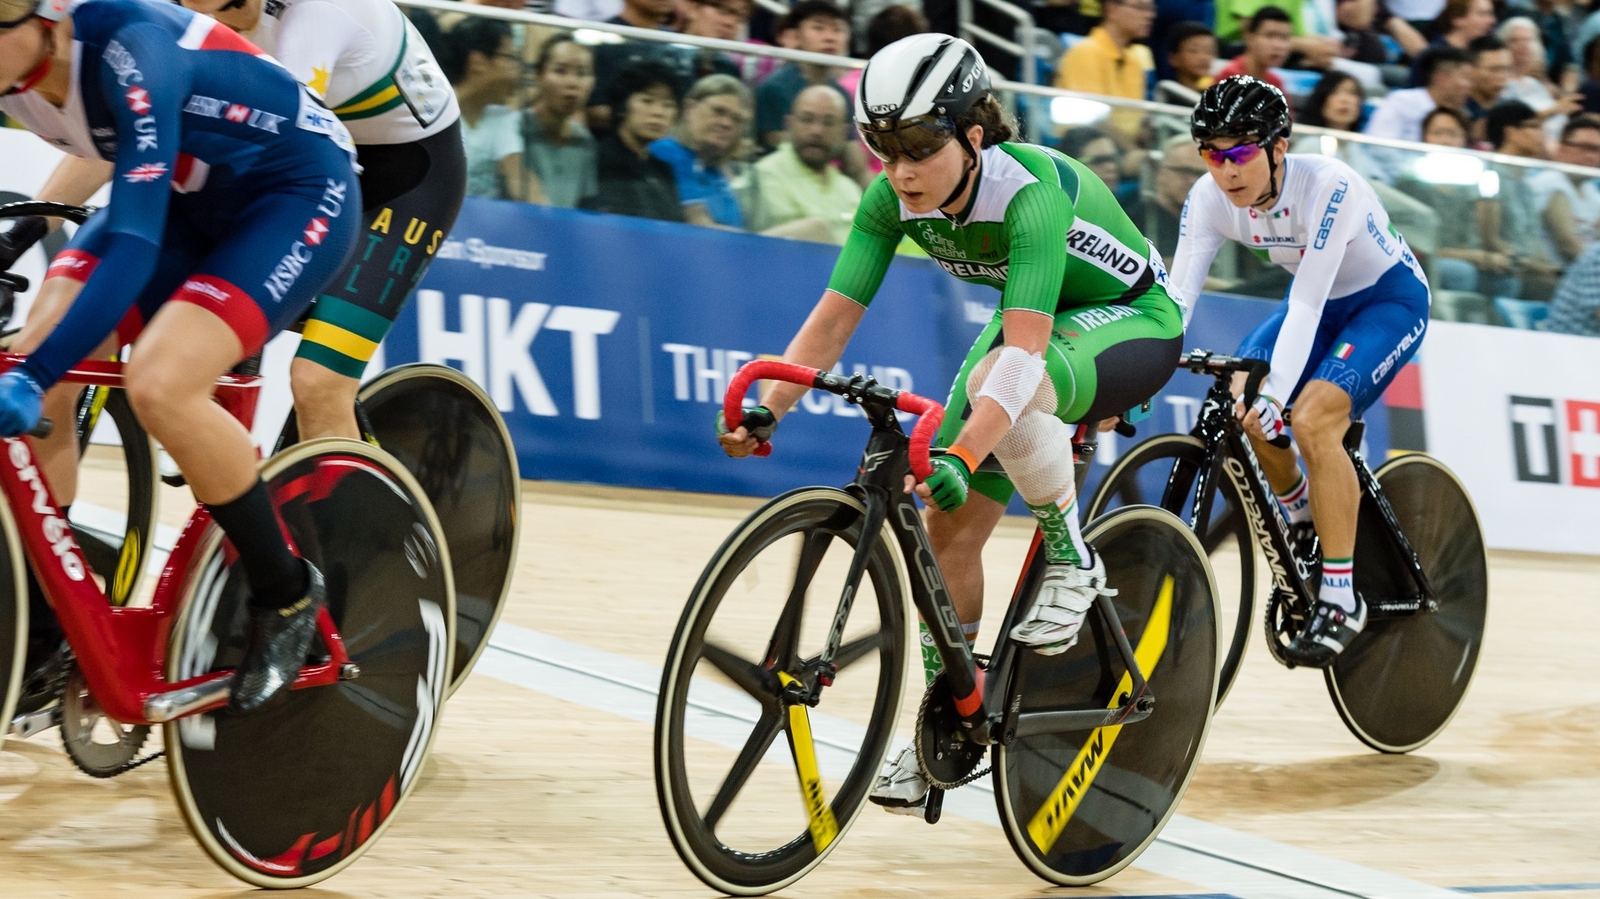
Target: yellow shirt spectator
(1108,61)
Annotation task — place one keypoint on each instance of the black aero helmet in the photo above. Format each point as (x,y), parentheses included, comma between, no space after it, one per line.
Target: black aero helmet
(912,92)
(1241,106)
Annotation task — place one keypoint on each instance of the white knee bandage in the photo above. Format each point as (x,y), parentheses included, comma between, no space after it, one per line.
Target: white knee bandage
(1037,455)
(1011,377)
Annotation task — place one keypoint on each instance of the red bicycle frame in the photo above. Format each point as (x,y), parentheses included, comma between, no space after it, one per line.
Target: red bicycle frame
(122,650)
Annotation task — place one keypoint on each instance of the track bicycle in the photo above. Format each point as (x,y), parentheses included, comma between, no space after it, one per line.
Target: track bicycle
(434,419)
(292,794)
(1420,562)
(1092,749)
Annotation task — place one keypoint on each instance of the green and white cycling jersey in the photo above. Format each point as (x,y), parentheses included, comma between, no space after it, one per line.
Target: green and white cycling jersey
(366,60)
(1040,227)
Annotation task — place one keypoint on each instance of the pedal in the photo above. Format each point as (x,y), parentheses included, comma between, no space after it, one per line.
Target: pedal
(933,805)
(24,727)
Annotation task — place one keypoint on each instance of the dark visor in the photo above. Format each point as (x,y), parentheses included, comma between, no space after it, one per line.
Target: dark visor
(914,139)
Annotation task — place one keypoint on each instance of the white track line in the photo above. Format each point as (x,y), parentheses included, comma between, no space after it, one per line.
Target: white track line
(1208,855)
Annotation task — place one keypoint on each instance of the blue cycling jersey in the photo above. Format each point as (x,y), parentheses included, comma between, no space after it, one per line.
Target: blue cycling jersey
(203,128)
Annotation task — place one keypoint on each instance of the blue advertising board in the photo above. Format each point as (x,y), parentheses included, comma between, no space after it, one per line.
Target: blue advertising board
(607,343)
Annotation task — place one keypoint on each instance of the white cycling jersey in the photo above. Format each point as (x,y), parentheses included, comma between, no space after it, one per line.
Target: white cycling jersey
(366,60)
(1327,228)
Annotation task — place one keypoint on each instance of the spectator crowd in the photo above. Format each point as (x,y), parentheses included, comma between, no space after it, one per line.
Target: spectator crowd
(742,141)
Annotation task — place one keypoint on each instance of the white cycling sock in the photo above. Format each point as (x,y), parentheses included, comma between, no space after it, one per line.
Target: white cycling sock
(1338,583)
(1297,501)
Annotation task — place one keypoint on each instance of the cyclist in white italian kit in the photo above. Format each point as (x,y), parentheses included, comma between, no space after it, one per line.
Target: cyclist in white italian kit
(1356,311)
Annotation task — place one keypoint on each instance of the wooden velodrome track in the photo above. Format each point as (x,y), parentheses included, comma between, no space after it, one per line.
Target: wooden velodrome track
(540,782)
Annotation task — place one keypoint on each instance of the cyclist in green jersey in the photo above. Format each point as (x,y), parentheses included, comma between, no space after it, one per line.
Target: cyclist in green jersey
(1086,327)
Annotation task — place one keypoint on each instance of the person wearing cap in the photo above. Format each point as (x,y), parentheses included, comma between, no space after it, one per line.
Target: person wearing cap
(1086,329)
(1356,310)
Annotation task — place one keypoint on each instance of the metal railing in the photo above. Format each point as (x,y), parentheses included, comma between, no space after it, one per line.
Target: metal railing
(1021,46)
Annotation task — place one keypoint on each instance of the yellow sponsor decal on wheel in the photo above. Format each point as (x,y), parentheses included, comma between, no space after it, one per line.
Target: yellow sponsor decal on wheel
(127,569)
(1058,808)
(824,828)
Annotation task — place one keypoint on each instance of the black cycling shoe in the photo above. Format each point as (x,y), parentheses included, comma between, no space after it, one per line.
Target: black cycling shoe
(1329,633)
(1303,537)
(276,648)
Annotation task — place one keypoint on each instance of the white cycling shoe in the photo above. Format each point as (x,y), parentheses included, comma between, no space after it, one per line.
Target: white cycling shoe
(1065,597)
(900,787)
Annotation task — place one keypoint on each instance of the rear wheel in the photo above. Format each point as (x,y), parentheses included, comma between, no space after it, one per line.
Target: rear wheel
(1402,680)
(1079,806)
(447,432)
(1161,471)
(289,795)
(747,815)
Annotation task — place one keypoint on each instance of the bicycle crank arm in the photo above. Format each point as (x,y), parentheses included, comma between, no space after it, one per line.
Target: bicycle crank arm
(25,726)
(175,704)
(1031,724)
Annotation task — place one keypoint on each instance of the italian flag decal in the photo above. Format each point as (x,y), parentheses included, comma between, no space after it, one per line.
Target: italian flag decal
(1344,350)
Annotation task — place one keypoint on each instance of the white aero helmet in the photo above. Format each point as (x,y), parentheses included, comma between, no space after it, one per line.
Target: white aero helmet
(913,90)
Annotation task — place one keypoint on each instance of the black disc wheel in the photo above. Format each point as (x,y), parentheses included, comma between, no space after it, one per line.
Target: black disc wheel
(761,763)
(291,794)
(1078,806)
(1402,680)
(1161,472)
(13,621)
(116,539)
(446,431)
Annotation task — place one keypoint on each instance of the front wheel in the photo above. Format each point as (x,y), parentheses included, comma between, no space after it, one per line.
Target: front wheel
(1079,806)
(1162,471)
(291,794)
(745,815)
(1402,680)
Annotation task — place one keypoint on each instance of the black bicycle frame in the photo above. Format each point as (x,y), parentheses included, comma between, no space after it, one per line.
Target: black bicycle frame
(880,485)
(1227,449)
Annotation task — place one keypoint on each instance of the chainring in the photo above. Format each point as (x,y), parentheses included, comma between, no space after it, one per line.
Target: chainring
(86,740)
(944,752)
(1285,617)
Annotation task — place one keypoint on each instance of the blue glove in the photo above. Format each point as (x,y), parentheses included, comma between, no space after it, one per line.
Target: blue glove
(21,402)
(948,482)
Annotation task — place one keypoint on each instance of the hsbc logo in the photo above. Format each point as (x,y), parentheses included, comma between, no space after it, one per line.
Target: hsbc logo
(315,231)
(237,113)
(120,61)
(1547,432)
(138,100)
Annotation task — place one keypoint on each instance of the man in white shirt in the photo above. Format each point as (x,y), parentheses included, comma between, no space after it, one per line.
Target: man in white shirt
(1447,74)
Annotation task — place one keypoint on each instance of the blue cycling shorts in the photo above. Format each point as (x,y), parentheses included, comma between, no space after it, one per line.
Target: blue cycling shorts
(1363,340)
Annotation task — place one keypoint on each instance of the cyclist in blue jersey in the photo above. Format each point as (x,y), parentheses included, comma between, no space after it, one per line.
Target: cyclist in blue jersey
(234,200)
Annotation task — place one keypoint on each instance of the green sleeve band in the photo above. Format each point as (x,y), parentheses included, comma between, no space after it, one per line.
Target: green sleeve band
(1037,219)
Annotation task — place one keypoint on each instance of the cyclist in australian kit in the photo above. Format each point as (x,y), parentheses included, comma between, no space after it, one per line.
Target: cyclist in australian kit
(1086,328)
(1356,312)
(220,231)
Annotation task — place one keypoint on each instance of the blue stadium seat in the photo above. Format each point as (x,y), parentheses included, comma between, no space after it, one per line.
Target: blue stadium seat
(1525,314)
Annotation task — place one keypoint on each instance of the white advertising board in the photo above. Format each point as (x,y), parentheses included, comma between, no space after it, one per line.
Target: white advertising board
(1516,414)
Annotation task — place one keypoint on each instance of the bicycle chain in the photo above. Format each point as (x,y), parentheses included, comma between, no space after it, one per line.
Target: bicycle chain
(102,774)
(916,742)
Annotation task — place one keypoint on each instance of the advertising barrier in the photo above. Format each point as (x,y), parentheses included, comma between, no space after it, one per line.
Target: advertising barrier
(607,342)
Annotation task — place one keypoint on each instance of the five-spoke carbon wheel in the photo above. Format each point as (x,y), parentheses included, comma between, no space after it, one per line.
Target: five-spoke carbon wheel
(1161,472)
(1079,806)
(1404,677)
(116,542)
(761,765)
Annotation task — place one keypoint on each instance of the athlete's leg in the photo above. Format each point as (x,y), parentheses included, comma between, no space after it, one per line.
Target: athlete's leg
(958,539)
(413,193)
(1321,418)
